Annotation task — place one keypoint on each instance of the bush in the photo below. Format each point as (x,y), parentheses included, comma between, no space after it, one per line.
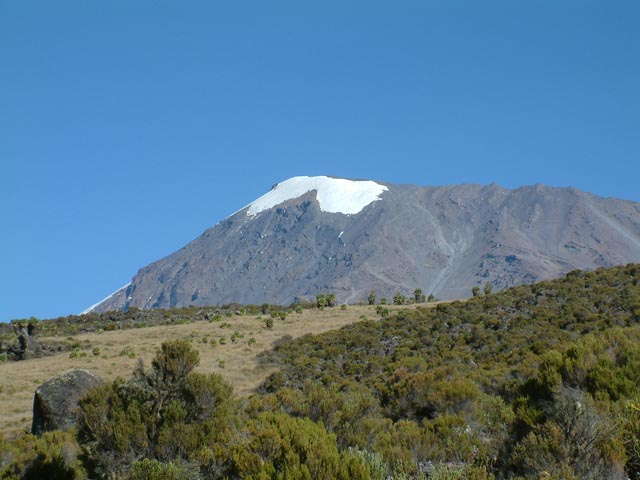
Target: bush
(575,442)
(280,446)
(77,353)
(371,299)
(331,300)
(164,414)
(147,469)
(53,456)
(399,299)
(128,352)
(631,434)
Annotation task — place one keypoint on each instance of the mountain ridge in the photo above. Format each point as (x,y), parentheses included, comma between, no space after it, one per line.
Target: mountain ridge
(443,240)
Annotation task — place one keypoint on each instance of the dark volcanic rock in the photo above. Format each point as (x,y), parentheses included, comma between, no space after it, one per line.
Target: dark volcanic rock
(55,403)
(444,240)
(28,346)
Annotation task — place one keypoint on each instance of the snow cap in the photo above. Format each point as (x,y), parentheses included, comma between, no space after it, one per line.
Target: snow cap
(335,195)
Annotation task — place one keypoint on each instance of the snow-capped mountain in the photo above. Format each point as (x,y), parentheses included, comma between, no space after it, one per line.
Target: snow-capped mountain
(334,195)
(319,234)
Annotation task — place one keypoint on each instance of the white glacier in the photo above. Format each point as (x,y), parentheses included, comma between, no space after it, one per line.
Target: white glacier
(335,195)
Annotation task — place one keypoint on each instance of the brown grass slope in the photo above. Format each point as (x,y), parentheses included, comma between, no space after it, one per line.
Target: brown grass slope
(118,350)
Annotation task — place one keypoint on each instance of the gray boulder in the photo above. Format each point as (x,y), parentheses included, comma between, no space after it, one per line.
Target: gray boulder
(56,402)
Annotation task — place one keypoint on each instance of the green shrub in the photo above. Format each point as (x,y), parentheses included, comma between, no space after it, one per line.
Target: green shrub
(371,299)
(631,435)
(128,352)
(399,299)
(165,414)
(77,353)
(53,456)
(331,300)
(148,469)
(321,301)
(280,446)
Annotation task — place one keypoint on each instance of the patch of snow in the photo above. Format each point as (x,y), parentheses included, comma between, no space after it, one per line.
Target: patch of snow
(146,304)
(92,307)
(335,195)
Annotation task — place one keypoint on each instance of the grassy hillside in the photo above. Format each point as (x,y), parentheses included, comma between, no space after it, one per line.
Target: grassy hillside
(539,381)
(224,342)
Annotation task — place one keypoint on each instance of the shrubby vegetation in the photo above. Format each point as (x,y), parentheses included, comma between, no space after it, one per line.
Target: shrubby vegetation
(28,338)
(535,379)
(133,317)
(179,419)
(53,456)
(168,422)
(539,381)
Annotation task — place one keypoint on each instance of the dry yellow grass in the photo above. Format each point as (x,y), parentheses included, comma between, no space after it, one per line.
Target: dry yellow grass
(237,361)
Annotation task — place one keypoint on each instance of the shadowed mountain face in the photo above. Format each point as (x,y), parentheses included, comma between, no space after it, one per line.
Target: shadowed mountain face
(444,240)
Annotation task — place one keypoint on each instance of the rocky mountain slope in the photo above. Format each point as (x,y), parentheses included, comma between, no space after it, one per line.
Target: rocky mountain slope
(319,234)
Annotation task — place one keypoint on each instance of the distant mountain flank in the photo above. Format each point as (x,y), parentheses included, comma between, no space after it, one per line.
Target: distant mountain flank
(318,234)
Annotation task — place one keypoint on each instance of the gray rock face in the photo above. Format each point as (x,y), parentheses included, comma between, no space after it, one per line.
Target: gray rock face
(55,403)
(444,240)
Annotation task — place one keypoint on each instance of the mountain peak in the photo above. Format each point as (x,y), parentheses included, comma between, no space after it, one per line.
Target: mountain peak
(335,195)
(443,240)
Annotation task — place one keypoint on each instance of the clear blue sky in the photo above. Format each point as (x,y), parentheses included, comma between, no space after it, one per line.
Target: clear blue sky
(129,127)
